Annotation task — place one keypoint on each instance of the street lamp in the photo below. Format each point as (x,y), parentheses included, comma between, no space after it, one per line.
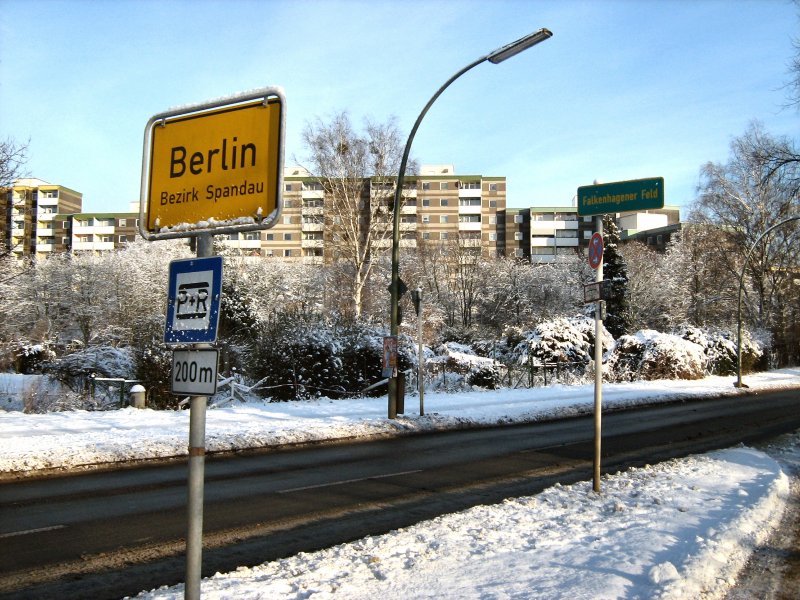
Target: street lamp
(495,57)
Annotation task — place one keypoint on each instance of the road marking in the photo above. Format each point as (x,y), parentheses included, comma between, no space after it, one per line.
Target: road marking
(29,531)
(345,481)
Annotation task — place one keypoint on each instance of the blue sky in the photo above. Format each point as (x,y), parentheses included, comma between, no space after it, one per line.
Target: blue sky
(623,90)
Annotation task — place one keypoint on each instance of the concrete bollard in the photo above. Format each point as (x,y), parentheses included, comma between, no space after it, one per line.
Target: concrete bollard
(137,394)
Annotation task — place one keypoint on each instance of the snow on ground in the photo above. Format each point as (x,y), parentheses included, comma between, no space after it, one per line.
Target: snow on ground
(30,442)
(680,529)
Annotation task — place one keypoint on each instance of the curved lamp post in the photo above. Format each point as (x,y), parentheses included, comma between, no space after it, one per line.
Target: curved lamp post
(495,56)
(739,309)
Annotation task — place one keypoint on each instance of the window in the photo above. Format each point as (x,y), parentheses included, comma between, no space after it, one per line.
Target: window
(426,185)
(443,219)
(517,218)
(443,202)
(518,235)
(232,237)
(492,187)
(469,202)
(426,218)
(287,220)
(287,253)
(122,223)
(542,250)
(443,185)
(287,237)
(492,203)
(270,237)
(469,218)
(443,235)
(566,233)
(288,204)
(251,235)
(587,235)
(518,252)
(426,202)
(492,237)
(268,253)
(121,239)
(288,187)
(426,235)
(492,219)
(471,185)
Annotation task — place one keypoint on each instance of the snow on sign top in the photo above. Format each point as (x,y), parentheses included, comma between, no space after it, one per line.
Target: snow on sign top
(215,167)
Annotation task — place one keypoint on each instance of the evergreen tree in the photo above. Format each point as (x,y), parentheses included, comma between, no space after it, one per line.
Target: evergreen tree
(616,271)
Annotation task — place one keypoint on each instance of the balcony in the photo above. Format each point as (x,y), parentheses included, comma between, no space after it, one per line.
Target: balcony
(312,211)
(567,242)
(312,243)
(469,226)
(471,243)
(313,226)
(313,194)
(408,243)
(469,210)
(549,227)
(469,192)
(541,242)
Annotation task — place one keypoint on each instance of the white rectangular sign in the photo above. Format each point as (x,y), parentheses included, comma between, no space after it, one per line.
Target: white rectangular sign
(194,372)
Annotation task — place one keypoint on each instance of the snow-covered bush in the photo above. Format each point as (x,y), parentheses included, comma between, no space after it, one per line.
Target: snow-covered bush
(564,340)
(309,358)
(649,355)
(720,349)
(457,366)
(104,361)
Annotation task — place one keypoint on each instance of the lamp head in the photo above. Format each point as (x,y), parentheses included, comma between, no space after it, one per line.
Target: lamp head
(514,48)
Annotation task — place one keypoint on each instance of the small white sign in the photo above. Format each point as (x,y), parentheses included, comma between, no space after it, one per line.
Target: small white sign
(194,372)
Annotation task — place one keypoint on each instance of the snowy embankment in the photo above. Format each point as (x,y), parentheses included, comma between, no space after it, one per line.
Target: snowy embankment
(679,530)
(62,440)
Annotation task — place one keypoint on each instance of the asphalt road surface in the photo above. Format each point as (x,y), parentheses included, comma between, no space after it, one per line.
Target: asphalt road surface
(108,534)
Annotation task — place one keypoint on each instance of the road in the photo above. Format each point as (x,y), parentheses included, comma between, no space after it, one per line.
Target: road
(111,534)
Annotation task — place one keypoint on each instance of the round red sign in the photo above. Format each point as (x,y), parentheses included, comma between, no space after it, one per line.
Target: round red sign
(596,251)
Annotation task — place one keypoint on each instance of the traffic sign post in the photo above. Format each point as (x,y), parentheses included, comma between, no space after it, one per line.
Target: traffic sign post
(621,196)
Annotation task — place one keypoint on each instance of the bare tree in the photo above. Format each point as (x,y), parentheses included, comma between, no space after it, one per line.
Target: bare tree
(13,157)
(357,171)
(743,198)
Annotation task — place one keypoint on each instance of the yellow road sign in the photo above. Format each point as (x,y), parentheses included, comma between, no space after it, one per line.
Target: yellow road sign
(220,167)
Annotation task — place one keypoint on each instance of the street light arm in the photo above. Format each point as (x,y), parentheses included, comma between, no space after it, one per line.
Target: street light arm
(495,56)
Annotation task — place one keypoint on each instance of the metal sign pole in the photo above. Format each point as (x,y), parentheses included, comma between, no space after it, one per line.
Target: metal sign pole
(197,461)
(598,370)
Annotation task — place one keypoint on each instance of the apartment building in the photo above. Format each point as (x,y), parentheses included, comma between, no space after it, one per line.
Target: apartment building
(439,207)
(27,215)
(542,233)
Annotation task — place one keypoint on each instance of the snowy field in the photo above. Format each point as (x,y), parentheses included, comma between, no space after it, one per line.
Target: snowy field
(680,529)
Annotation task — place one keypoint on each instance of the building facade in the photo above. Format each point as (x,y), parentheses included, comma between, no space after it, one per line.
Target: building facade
(29,210)
(439,207)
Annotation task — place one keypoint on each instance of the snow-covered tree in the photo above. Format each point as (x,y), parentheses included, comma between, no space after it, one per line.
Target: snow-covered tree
(615,271)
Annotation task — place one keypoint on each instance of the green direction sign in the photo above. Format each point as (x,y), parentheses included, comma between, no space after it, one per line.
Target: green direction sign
(622,196)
